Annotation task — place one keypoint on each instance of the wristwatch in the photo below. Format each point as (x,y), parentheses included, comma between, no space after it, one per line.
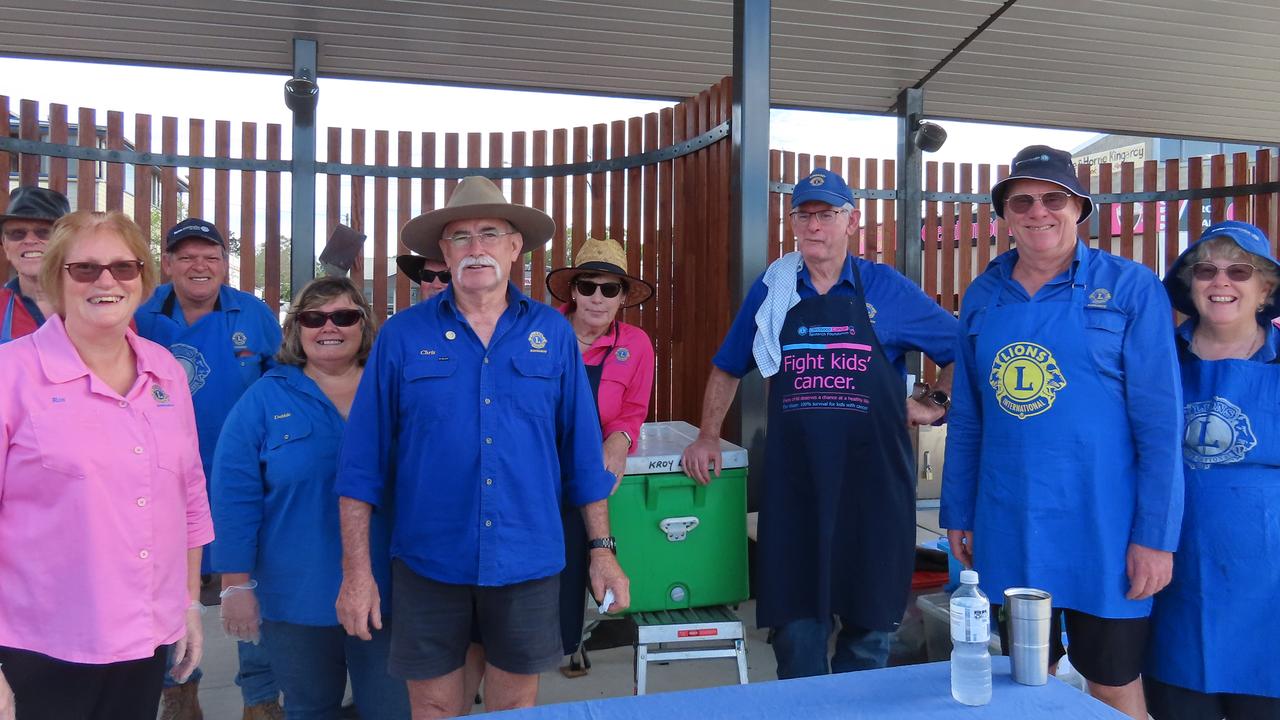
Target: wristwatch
(605,543)
(939,398)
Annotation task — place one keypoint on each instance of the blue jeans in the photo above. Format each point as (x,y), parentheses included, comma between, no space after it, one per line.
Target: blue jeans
(257,682)
(801,648)
(312,663)
(168,666)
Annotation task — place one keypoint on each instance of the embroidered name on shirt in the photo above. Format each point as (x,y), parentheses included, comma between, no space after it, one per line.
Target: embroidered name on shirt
(281,416)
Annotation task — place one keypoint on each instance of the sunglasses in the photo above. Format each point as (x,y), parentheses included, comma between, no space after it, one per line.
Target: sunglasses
(1236,272)
(429,276)
(315,319)
(17,234)
(1055,200)
(87,272)
(586,288)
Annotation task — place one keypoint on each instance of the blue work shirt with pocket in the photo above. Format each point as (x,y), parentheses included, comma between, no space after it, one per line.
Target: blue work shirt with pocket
(273,501)
(478,442)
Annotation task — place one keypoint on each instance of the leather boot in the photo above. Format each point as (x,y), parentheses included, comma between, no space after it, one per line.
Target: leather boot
(264,711)
(181,702)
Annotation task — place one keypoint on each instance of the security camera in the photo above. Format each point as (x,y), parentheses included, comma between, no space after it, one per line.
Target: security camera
(930,137)
(300,95)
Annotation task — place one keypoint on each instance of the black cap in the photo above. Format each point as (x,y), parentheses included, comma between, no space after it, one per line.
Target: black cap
(193,228)
(1041,162)
(36,203)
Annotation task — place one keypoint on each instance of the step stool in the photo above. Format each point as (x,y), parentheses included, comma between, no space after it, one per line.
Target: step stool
(718,625)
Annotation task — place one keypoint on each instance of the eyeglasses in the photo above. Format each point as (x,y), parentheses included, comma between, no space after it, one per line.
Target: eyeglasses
(316,319)
(1022,203)
(1236,272)
(429,276)
(16,234)
(826,217)
(87,272)
(487,238)
(586,288)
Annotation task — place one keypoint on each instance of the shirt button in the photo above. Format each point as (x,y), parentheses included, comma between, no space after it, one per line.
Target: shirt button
(488,441)
(286,436)
(122,403)
(487,401)
(142,502)
(144,554)
(137,450)
(487,523)
(488,481)
(486,361)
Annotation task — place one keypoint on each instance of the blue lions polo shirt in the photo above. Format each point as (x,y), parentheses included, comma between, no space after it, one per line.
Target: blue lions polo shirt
(479,443)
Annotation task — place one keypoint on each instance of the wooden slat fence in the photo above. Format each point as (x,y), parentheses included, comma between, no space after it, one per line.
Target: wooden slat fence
(672,216)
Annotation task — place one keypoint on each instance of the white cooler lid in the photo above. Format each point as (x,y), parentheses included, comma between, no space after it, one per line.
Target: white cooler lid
(660,445)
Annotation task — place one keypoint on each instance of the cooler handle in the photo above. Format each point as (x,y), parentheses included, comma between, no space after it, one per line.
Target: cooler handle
(656,483)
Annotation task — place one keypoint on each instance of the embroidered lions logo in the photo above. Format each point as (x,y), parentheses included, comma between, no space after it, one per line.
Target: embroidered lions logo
(537,340)
(816,179)
(622,354)
(193,362)
(1026,378)
(1099,297)
(239,340)
(1217,432)
(871,313)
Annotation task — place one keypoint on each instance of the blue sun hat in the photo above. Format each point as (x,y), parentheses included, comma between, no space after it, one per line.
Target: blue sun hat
(1249,238)
(1041,162)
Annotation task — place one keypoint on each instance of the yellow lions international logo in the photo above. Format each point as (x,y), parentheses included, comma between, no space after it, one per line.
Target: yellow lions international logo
(1026,379)
(816,179)
(1099,297)
(537,340)
(871,312)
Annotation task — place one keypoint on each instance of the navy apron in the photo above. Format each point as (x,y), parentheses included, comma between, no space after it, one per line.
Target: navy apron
(573,579)
(837,526)
(1215,628)
(1056,488)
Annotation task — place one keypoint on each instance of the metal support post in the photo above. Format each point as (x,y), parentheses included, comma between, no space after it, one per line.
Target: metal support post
(302,261)
(749,192)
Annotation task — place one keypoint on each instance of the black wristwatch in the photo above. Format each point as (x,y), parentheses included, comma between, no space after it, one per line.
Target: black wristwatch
(939,398)
(604,543)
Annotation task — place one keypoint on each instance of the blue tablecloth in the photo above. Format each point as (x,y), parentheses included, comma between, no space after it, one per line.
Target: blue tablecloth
(911,691)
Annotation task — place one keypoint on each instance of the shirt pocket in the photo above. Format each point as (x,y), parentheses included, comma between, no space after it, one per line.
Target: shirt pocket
(69,442)
(536,384)
(429,389)
(284,447)
(1104,336)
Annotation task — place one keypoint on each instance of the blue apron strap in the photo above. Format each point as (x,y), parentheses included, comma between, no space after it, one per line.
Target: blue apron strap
(6,328)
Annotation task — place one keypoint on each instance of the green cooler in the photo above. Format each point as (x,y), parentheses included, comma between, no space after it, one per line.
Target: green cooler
(683,545)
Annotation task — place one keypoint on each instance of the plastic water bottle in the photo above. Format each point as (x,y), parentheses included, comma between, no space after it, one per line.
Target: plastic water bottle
(970,631)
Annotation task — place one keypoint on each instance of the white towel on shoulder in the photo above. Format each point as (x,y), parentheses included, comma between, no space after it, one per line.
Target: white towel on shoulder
(780,279)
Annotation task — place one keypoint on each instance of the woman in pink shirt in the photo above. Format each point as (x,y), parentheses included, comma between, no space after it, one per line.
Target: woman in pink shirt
(619,360)
(102,502)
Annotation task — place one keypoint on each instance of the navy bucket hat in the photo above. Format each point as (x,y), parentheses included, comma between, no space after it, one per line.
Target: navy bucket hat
(823,186)
(1249,238)
(1041,162)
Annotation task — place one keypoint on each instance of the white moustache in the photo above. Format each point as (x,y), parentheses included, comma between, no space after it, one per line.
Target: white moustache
(478,260)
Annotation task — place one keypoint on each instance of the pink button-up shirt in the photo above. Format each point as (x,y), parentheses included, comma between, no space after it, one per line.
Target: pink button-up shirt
(100,498)
(626,381)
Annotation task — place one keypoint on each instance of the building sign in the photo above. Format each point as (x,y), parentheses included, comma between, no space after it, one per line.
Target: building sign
(1115,156)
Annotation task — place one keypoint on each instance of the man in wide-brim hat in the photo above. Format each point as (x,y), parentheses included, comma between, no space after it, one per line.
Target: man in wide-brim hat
(476,408)
(25,227)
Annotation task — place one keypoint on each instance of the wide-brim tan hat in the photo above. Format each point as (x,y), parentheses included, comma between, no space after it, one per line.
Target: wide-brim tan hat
(599,256)
(475,197)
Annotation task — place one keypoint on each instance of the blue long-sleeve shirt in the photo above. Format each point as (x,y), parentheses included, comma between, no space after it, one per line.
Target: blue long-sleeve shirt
(1145,372)
(479,443)
(903,316)
(274,503)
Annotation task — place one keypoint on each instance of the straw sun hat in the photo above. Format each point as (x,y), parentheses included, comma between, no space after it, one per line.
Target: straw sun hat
(599,256)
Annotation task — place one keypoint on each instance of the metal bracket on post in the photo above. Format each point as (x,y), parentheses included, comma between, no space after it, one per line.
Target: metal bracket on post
(301,94)
(749,193)
(910,198)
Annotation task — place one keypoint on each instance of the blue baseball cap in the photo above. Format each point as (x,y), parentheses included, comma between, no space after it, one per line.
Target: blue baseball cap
(193,228)
(823,186)
(1249,238)
(1041,162)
